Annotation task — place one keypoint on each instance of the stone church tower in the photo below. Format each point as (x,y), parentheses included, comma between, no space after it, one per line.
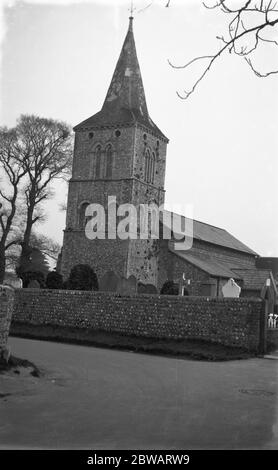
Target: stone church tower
(118,152)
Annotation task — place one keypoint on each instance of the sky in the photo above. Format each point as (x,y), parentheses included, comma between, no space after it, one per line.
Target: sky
(57,59)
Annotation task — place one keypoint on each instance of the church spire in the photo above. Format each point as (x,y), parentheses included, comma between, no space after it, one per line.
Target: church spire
(130,27)
(126,90)
(125,101)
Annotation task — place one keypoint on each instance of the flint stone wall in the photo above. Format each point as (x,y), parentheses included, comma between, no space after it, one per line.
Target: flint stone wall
(6,311)
(231,322)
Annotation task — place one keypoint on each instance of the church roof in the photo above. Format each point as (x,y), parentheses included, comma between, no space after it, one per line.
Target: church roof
(125,102)
(253,278)
(216,235)
(210,266)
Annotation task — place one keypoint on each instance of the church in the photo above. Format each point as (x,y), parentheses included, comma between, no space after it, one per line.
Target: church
(120,151)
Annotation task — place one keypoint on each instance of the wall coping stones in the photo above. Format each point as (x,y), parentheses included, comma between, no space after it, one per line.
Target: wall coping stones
(174,298)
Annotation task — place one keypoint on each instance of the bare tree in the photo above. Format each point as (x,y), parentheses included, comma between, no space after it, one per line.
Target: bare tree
(32,154)
(12,173)
(49,158)
(250,26)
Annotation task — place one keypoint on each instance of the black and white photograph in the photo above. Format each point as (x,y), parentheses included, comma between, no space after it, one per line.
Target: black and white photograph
(138,231)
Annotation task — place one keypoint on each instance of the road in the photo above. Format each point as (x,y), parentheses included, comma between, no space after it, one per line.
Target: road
(92,398)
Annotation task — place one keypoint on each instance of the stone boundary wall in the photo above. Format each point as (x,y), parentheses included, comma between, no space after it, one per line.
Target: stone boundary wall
(6,310)
(231,322)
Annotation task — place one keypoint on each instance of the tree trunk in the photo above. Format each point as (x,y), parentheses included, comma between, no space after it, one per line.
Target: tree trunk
(2,263)
(24,258)
(25,245)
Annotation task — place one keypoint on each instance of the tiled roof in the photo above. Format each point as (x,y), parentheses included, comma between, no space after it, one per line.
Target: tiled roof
(270,263)
(210,266)
(215,235)
(125,102)
(253,279)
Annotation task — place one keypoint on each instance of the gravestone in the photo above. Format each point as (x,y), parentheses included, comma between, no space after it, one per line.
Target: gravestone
(112,282)
(12,281)
(34,284)
(146,288)
(109,282)
(231,289)
(127,286)
(6,310)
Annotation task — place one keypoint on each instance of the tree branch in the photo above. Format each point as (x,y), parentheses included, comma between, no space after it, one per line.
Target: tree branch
(237,31)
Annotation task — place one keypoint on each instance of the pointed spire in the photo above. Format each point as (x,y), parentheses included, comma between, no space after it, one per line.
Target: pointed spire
(126,89)
(130,27)
(125,102)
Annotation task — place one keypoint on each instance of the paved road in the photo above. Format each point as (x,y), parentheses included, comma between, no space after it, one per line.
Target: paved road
(100,399)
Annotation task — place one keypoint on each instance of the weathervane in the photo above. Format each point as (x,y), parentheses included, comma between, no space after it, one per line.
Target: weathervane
(131,9)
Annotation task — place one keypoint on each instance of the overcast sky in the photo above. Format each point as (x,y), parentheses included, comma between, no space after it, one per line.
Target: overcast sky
(57,60)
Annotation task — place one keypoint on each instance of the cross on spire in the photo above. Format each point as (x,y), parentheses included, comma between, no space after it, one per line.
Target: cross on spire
(131,9)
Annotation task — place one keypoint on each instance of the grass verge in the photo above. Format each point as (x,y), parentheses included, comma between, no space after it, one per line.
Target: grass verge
(193,349)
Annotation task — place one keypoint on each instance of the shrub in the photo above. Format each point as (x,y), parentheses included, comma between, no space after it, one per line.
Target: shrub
(54,280)
(29,276)
(65,285)
(169,288)
(82,277)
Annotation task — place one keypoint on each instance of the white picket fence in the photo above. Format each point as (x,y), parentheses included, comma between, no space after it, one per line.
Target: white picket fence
(272,320)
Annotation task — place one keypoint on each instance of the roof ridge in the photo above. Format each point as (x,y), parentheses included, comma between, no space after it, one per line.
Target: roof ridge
(214,235)
(195,220)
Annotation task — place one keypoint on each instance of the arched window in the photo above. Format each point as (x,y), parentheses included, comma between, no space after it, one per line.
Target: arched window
(98,161)
(149,167)
(152,168)
(82,217)
(109,161)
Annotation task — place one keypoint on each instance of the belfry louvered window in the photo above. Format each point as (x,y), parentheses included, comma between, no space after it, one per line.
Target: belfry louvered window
(109,161)
(152,168)
(98,161)
(149,167)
